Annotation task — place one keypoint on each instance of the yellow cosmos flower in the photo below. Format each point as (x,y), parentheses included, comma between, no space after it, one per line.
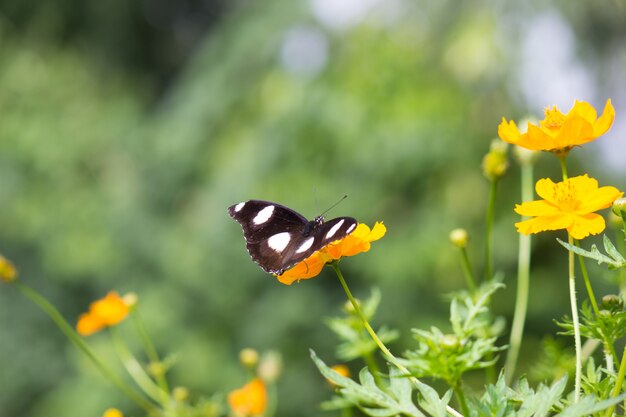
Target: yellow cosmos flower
(569,205)
(356,242)
(8,273)
(559,132)
(102,313)
(249,400)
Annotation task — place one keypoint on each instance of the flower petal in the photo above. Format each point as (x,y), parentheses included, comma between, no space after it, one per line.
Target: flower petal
(249,400)
(537,208)
(309,268)
(589,224)
(89,324)
(605,121)
(599,199)
(111,309)
(508,131)
(537,139)
(545,188)
(584,110)
(544,223)
(575,131)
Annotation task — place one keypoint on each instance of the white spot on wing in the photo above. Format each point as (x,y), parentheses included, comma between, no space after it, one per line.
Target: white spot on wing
(238,207)
(279,241)
(351,228)
(305,245)
(263,215)
(333,230)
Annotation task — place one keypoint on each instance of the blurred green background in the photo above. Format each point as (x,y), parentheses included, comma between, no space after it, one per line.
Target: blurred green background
(127,127)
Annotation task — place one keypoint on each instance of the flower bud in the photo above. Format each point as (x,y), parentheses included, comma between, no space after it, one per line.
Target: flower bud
(180,394)
(459,238)
(619,207)
(130,299)
(157,369)
(249,357)
(8,273)
(348,307)
(270,367)
(495,163)
(450,342)
(612,303)
(614,220)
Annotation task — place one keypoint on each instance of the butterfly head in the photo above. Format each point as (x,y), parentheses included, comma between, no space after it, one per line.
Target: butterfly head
(316,222)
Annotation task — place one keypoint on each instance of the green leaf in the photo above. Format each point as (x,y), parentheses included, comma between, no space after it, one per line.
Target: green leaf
(616,262)
(611,250)
(396,400)
(589,405)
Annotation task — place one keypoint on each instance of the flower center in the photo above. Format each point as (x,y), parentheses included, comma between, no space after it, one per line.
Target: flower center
(554,119)
(565,196)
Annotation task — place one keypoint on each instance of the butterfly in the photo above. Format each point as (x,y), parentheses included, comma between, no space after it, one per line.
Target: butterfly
(278,237)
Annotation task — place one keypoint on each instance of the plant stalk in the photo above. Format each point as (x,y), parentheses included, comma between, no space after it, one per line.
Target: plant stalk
(386,352)
(78,341)
(575,321)
(523,283)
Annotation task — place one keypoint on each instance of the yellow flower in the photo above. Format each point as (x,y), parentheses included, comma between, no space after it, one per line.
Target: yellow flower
(559,132)
(102,313)
(112,412)
(356,242)
(8,273)
(569,205)
(249,400)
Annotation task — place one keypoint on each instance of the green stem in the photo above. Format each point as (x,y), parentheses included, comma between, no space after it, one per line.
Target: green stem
(78,341)
(608,344)
(618,383)
(151,352)
(386,352)
(523,283)
(460,396)
(370,361)
(489,228)
(563,166)
(136,371)
(575,321)
(467,271)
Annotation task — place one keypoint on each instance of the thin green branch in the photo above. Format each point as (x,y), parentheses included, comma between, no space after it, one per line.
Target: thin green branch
(618,383)
(78,341)
(386,352)
(523,283)
(489,230)
(575,321)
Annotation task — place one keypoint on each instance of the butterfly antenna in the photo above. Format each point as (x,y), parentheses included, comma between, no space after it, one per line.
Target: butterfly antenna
(334,205)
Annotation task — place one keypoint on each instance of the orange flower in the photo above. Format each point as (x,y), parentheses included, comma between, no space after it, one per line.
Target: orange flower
(569,205)
(342,370)
(559,132)
(249,400)
(8,273)
(356,242)
(102,313)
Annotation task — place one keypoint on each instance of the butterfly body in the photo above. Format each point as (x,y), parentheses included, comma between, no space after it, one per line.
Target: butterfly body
(277,237)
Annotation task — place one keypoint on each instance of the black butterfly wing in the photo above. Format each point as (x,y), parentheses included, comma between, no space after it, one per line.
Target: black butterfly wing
(320,235)
(262,219)
(277,237)
(268,229)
